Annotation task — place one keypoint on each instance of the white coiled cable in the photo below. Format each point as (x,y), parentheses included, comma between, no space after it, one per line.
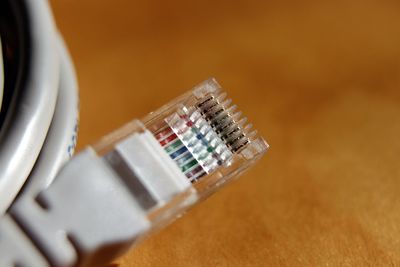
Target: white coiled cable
(39,131)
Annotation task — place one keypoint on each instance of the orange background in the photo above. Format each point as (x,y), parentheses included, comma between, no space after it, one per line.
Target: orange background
(318,79)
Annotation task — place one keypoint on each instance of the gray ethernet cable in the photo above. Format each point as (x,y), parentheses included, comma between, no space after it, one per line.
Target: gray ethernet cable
(135,180)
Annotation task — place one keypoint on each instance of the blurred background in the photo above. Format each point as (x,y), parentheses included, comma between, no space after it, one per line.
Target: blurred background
(318,79)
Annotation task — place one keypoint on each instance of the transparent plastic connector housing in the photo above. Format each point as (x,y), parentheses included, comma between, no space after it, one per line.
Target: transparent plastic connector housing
(200,140)
(133,182)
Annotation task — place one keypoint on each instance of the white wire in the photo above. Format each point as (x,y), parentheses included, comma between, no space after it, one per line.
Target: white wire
(61,138)
(25,131)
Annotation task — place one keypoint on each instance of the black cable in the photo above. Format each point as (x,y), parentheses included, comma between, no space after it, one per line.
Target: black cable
(15,37)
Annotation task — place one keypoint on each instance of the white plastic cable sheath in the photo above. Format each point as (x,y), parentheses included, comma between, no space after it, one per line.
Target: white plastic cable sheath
(61,138)
(26,130)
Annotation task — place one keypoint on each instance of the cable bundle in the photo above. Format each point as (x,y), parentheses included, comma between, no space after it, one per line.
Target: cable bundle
(39,100)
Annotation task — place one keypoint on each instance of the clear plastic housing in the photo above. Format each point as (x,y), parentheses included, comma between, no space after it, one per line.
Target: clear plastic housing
(204,135)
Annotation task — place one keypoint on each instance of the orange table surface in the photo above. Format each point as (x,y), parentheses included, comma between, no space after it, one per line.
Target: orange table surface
(318,79)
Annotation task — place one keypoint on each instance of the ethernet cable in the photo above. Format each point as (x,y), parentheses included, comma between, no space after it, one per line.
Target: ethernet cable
(82,211)
(32,71)
(133,181)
